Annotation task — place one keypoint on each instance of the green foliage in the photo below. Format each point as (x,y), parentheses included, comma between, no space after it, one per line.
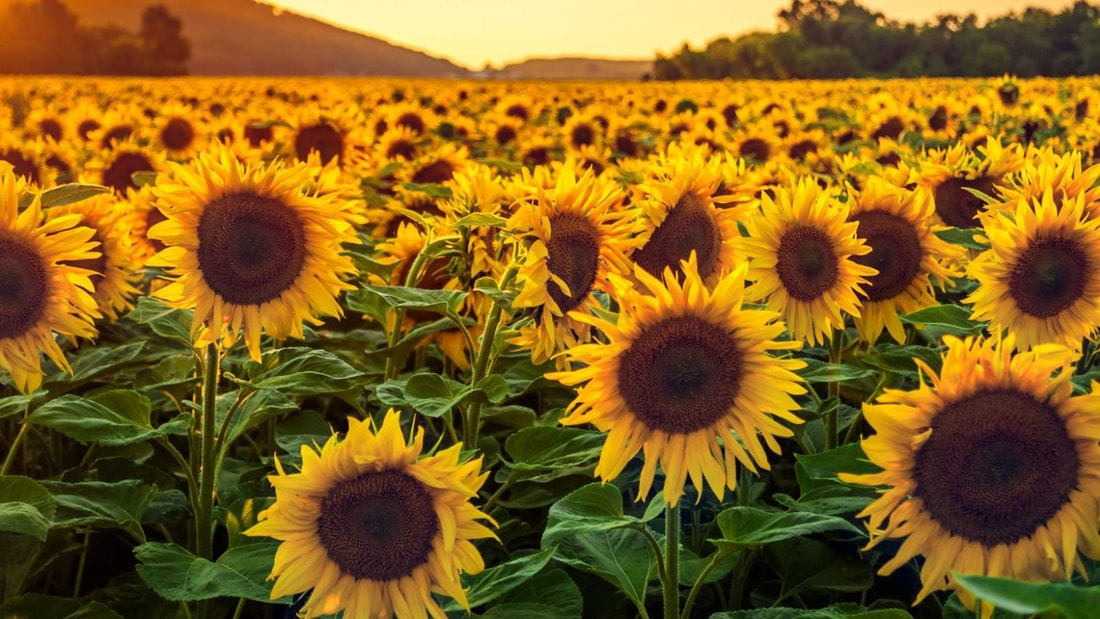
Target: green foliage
(1064,600)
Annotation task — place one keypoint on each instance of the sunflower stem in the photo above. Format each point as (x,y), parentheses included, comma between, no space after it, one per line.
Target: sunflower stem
(9,460)
(471,428)
(204,514)
(671,588)
(836,349)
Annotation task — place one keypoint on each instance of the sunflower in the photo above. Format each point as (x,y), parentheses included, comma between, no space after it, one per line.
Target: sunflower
(575,239)
(116,271)
(179,132)
(992,469)
(41,291)
(686,374)
(116,168)
(372,527)
(679,215)
(954,173)
(1040,278)
(802,249)
(897,225)
(249,249)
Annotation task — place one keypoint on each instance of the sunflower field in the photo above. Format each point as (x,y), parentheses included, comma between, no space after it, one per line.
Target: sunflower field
(518,350)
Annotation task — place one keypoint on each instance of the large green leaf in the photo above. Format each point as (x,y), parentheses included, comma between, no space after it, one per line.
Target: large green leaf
(944,319)
(71,193)
(595,507)
(26,507)
(622,556)
(433,395)
(304,371)
(34,605)
(553,586)
(111,418)
(748,527)
(840,611)
(821,372)
(179,576)
(171,324)
(496,581)
(1029,598)
(92,362)
(544,453)
(98,504)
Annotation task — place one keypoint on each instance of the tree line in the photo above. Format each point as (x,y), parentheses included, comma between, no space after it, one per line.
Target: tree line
(45,37)
(826,39)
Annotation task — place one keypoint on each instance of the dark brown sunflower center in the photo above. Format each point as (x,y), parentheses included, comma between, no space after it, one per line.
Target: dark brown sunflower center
(938,120)
(411,121)
(681,374)
(24,287)
(806,262)
(86,127)
(120,174)
(251,248)
(378,526)
(438,171)
(689,226)
(257,134)
(177,134)
(574,256)
(895,252)
(322,138)
(115,135)
(1048,277)
(504,134)
(21,165)
(955,205)
(582,135)
(51,128)
(755,148)
(997,465)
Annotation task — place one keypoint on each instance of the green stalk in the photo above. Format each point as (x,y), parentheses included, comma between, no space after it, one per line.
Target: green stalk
(10,459)
(718,556)
(671,588)
(471,427)
(835,349)
(204,512)
(394,335)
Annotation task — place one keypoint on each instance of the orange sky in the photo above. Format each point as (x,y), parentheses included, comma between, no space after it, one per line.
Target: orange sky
(474,32)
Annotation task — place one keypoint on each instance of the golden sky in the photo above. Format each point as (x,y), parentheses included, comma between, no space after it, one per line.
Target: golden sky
(474,32)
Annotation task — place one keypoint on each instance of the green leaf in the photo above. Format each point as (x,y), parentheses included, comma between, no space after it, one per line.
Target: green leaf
(179,576)
(821,469)
(1071,601)
(965,237)
(171,324)
(34,605)
(595,507)
(899,360)
(433,395)
(494,387)
(259,407)
(821,372)
(26,507)
(748,527)
(434,191)
(99,504)
(945,319)
(840,611)
(71,193)
(13,405)
(543,453)
(480,219)
(621,556)
(93,362)
(550,584)
(444,302)
(111,418)
(496,581)
(302,371)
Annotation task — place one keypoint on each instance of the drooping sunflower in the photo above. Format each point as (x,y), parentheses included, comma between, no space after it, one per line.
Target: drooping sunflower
(575,238)
(897,225)
(1040,278)
(687,376)
(992,469)
(678,215)
(802,251)
(371,527)
(116,271)
(41,292)
(249,249)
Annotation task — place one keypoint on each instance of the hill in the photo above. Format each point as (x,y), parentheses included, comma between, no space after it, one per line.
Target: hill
(242,37)
(575,68)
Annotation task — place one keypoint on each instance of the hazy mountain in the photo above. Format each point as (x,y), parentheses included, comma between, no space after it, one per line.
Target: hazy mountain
(576,68)
(242,37)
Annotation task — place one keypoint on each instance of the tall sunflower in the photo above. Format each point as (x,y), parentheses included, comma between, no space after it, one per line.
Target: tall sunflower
(575,238)
(687,376)
(802,250)
(1040,278)
(41,292)
(248,249)
(992,469)
(372,527)
(897,225)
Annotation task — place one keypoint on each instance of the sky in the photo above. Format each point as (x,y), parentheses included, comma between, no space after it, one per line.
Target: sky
(475,32)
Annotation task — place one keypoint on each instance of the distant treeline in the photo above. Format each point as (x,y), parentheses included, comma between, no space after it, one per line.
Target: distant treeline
(830,39)
(45,37)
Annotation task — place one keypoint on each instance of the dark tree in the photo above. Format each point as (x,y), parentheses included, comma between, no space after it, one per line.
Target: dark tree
(162,34)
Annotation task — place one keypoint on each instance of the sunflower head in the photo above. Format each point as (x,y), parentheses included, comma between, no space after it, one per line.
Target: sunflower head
(991,469)
(802,248)
(373,527)
(688,375)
